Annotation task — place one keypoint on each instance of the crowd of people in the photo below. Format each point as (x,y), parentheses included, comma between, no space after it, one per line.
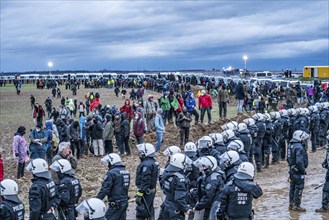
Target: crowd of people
(209,179)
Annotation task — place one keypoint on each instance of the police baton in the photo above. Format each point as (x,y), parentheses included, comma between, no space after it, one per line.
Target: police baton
(146,206)
(318,186)
(61,213)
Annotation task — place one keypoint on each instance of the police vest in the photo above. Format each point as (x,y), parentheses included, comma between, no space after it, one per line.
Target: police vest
(48,194)
(16,210)
(75,190)
(170,183)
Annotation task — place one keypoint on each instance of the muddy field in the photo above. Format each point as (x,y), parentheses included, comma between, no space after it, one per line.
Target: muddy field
(16,111)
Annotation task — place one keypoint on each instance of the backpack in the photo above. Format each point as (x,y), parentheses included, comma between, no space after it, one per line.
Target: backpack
(54,141)
(152,124)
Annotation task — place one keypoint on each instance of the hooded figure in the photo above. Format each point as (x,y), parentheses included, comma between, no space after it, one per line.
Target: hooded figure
(127,108)
(125,132)
(20,150)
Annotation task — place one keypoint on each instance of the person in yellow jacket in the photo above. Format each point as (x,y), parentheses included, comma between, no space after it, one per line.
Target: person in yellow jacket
(199,94)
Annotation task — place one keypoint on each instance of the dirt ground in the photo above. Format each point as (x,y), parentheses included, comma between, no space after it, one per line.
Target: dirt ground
(15,111)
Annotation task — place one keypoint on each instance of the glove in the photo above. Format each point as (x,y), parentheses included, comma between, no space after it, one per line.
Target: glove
(210,107)
(139,196)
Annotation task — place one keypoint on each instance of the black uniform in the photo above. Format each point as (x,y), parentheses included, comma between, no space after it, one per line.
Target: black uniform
(115,187)
(325,190)
(253,129)
(43,196)
(324,125)
(209,187)
(277,136)
(314,129)
(146,179)
(267,143)
(258,144)
(236,198)
(246,139)
(175,187)
(285,123)
(11,208)
(298,161)
(69,191)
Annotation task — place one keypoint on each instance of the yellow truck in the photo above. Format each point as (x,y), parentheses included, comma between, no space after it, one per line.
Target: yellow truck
(316,72)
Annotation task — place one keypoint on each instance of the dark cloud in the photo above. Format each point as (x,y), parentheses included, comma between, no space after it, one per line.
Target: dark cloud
(162,34)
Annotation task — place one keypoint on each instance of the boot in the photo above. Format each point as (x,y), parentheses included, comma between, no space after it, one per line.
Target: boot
(298,209)
(322,209)
(267,161)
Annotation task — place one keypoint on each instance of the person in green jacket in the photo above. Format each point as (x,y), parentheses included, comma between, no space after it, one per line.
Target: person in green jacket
(165,106)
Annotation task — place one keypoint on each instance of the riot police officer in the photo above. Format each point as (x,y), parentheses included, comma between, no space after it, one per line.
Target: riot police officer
(324,122)
(325,190)
(298,162)
(175,187)
(267,143)
(285,124)
(253,129)
(229,163)
(209,184)
(314,125)
(246,138)
(228,136)
(237,195)
(232,125)
(69,188)
(10,207)
(92,208)
(301,122)
(259,118)
(169,152)
(205,148)
(238,146)
(115,186)
(43,195)
(218,141)
(277,135)
(146,179)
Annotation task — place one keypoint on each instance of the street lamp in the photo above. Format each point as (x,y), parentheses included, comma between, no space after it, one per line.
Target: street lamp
(50,64)
(245,58)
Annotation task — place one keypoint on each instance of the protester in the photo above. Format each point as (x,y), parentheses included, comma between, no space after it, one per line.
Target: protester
(21,151)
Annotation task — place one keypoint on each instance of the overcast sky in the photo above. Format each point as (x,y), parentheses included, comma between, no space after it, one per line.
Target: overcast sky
(163,35)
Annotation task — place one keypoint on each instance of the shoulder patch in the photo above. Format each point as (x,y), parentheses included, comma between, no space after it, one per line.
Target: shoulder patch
(208,186)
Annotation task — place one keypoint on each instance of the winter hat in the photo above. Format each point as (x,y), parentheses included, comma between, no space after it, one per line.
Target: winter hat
(21,130)
(39,125)
(203,92)
(108,117)
(160,111)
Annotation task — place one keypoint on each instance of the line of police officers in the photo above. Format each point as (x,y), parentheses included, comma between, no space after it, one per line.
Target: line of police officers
(213,179)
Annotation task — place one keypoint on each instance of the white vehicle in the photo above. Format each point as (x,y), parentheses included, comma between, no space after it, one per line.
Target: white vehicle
(135,75)
(113,75)
(81,76)
(49,77)
(29,76)
(263,74)
(66,75)
(95,76)
(58,77)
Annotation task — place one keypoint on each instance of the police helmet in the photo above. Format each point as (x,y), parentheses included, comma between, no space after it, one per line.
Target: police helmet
(236,145)
(95,208)
(313,108)
(204,142)
(300,135)
(283,113)
(233,125)
(306,111)
(146,150)
(242,126)
(249,121)
(190,147)
(180,161)
(8,187)
(299,111)
(267,117)
(112,159)
(171,151)
(229,157)
(227,135)
(62,165)
(258,117)
(38,167)
(245,171)
(319,105)
(216,137)
(206,163)
(325,105)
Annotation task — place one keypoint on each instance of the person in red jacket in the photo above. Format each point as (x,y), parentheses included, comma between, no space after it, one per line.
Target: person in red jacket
(38,113)
(128,109)
(205,105)
(180,101)
(139,127)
